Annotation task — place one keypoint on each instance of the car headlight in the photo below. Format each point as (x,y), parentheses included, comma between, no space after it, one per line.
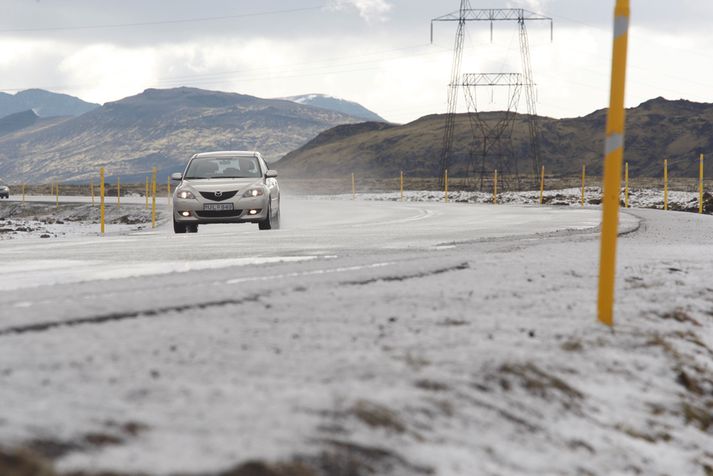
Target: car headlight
(185,194)
(254,192)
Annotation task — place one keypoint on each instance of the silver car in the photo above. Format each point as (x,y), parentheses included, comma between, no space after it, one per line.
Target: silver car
(226,187)
(4,190)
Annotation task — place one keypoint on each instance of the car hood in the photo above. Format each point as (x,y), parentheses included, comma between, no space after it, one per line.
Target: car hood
(223,185)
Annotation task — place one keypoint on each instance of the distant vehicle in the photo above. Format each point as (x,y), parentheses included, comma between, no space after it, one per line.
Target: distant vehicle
(226,187)
(4,190)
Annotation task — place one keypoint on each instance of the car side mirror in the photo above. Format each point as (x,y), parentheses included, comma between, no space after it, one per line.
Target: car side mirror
(271,174)
(177,176)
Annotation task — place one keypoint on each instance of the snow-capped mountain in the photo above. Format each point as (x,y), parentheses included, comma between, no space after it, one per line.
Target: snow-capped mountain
(336,104)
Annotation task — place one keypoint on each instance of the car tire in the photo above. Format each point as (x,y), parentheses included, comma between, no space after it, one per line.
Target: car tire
(178,227)
(276,220)
(267,223)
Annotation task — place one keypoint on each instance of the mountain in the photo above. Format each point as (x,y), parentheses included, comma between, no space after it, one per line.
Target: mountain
(161,128)
(656,130)
(335,104)
(43,103)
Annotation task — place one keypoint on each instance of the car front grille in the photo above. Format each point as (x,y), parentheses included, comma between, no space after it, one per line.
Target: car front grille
(218,213)
(223,196)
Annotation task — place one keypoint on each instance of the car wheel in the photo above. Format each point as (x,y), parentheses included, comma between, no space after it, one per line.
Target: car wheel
(178,227)
(267,223)
(276,220)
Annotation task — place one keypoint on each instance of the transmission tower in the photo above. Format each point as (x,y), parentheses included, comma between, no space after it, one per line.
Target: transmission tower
(467,14)
(492,138)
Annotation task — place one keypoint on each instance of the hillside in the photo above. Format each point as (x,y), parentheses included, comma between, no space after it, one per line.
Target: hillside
(43,103)
(160,128)
(657,129)
(336,104)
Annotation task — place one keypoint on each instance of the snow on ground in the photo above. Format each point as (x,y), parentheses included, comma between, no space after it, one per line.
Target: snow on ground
(47,219)
(638,198)
(417,338)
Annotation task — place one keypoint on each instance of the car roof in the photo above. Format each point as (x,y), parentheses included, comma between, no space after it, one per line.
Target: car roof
(227,153)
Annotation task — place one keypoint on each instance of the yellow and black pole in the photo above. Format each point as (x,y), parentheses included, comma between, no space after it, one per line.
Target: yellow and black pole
(153,197)
(665,184)
(614,155)
(626,185)
(700,185)
(445,181)
(584,180)
(401,185)
(495,187)
(101,199)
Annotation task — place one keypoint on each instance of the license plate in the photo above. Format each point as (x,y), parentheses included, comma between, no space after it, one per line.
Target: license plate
(217,207)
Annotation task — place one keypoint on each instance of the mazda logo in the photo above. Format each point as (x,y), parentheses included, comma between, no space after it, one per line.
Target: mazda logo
(219,194)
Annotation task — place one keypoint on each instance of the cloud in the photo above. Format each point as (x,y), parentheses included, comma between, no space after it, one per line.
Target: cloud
(537,6)
(369,10)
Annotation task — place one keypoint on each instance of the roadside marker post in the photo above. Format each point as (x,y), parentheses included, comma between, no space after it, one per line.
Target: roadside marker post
(101,199)
(401,181)
(584,179)
(700,185)
(168,191)
(542,185)
(147,193)
(665,184)
(118,192)
(614,155)
(446,185)
(626,185)
(495,187)
(353,188)
(153,197)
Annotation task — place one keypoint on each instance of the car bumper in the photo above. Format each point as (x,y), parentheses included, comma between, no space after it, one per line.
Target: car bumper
(245,210)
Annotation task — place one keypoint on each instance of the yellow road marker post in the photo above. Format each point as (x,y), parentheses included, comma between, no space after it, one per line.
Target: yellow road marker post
(168,191)
(542,185)
(402,185)
(353,188)
(584,180)
(445,177)
(101,199)
(153,197)
(626,185)
(147,193)
(614,155)
(495,187)
(118,192)
(700,185)
(665,184)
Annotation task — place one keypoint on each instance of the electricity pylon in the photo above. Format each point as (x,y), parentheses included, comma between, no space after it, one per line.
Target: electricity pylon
(467,14)
(492,136)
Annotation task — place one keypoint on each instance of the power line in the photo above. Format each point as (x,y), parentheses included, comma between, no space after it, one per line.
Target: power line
(162,22)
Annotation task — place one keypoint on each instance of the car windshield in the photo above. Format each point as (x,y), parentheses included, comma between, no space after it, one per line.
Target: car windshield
(223,167)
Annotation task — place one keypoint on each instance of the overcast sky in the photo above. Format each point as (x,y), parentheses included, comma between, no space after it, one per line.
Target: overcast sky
(375,52)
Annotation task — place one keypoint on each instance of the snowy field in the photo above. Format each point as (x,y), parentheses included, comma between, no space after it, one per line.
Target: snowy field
(363,338)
